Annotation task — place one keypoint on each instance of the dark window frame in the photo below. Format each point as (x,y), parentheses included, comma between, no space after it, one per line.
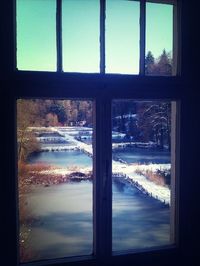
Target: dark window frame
(102,88)
(102,19)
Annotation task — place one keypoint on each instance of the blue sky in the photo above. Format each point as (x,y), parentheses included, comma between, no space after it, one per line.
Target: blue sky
(36,34)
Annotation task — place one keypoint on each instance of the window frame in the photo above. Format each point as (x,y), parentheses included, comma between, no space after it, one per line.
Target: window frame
(101,88)
(176,71)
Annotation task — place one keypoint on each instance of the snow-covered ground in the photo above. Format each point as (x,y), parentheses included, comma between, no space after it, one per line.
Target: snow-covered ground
(129,173)
(120,168)
(149,144)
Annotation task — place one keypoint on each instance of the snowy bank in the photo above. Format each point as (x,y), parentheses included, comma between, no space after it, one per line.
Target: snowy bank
(120,168)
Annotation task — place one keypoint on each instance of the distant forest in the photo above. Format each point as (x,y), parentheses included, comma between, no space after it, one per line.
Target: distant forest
(40,112)
(139,120)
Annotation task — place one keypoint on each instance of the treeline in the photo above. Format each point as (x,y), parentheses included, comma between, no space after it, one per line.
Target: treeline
(162,66)
(40,112)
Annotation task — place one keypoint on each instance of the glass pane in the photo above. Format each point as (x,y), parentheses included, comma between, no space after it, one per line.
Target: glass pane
(159,39)
(54,178)
(80,25)
(141,168)
(122,36)
(36,35)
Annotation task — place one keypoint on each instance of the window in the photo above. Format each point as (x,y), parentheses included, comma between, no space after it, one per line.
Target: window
(96,36)
(36,35)
(133,131)
(54,178)
(142,174)
(159,45)
(122,39)
(80,29)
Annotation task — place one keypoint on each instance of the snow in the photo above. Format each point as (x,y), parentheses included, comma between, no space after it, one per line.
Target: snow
(120,168)
(80,145)
(62,147)
(128,171)
(65,171)
(149,144)
(117,135)
(127,116)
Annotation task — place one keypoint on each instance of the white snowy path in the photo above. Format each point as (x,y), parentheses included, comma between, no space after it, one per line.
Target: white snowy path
(80,145)
(126,170)
(156,191)
(74,143)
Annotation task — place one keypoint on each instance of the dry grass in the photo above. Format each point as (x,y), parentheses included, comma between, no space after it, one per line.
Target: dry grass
(28,176)
(158,177)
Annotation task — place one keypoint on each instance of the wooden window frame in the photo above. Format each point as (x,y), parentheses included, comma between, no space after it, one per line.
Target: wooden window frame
(101,88)
(102,19)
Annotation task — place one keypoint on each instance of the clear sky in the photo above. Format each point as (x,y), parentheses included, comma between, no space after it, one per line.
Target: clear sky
(36,34)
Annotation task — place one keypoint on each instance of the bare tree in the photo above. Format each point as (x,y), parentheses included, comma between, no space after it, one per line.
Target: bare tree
(26,114)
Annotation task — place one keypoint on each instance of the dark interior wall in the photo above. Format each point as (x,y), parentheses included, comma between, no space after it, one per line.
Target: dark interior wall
(187,91)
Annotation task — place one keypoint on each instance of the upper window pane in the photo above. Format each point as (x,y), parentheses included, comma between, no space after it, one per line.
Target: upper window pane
(36,35)
(159,39)
(80,28)
(122,36)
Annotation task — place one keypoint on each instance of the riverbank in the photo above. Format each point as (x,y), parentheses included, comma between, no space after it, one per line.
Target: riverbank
(41,174)
(153,178)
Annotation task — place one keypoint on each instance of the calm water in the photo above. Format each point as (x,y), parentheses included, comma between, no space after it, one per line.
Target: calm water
(75,157)
(142,156)
(62,158)
(63,222)
(138,220)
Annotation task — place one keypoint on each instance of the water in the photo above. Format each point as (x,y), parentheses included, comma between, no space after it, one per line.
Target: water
(142,156)
(61,158)
(63,219)
(138,220)
(62,223)
(76,157)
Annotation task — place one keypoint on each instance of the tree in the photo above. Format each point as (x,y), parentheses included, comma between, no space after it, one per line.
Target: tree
(26,117)
(122,111)
(161,66)
(58,109)
(51,119)
(155,122)
(149,63)
(164,65)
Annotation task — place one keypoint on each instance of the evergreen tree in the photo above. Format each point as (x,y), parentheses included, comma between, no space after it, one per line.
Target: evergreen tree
(164,65)
(149,63)
(59,110)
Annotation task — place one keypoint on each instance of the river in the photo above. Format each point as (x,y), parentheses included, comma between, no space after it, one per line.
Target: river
(63,222)
(61,158)
(139,155)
